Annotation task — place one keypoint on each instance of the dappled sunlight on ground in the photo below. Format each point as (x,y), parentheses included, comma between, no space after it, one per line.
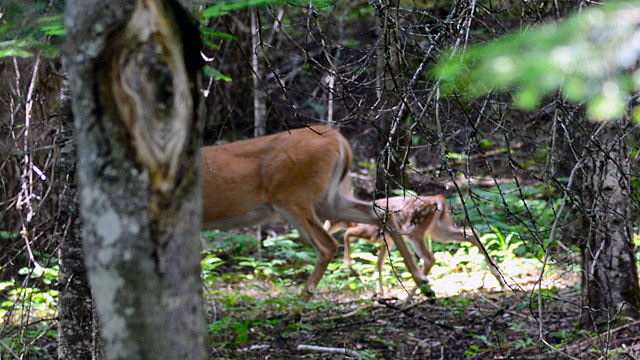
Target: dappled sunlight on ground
(520,275)
(445,281)
(456,283)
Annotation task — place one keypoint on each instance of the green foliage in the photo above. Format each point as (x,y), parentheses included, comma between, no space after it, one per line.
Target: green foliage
(590,57)
(523,343)
(636,242)
(462,255)
(500,246)
(29,302)
(284,259)
(48,275)
(25,28)
(16,48)
(245,318)
(209,264)
(5,234)
(472,351)
(52,25)
(31,342)
(240,328)
(289,247)
(221,8)
(518,217)
(458,156)
(222,245)
(217,34)
(228,243)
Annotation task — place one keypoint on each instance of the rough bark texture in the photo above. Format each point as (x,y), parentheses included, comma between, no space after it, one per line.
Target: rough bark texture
(134,77)
(609,273)
(75,305)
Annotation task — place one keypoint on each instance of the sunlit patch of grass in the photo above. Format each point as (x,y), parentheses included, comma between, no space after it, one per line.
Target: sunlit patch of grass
(20,304)
(28,314)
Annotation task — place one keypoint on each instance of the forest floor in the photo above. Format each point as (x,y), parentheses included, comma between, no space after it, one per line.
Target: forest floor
(254,310)
(469,318)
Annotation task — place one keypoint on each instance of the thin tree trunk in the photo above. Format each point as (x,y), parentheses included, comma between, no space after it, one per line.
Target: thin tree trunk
(259,107)
(134,78)
(331,81)
(609,273)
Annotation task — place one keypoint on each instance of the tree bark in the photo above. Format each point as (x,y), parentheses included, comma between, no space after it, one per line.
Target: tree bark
(259,107)
(609,273)
(134,78)
(75,305)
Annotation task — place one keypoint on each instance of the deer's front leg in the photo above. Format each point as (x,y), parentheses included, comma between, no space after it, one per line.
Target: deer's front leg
(385,247)
(347,252)
(325,246)
(407,255)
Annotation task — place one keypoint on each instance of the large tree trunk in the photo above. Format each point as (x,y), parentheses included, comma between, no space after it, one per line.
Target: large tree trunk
(609,273)
(134,75)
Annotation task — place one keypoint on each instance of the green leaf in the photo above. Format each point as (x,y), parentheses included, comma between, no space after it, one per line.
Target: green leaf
(636,114)
(225,7)
(575,89)
(53,25)
(6,284)
(527,98)
(217,34)
(607,106)
(216,74)
(15,52)
(4,234)
(54,30)
(211,45)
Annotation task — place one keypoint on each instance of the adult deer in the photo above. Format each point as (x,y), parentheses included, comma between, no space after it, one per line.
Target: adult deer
(417,217)
(299,175)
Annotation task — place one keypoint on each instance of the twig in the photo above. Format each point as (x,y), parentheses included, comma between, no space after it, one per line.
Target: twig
(590,338)
(333,350)
(255,348)
(351,313)
(26,195)
(37,338)
(558,351)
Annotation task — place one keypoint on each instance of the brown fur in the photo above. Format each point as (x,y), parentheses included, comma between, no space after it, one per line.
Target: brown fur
(298,175)
(417,218)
